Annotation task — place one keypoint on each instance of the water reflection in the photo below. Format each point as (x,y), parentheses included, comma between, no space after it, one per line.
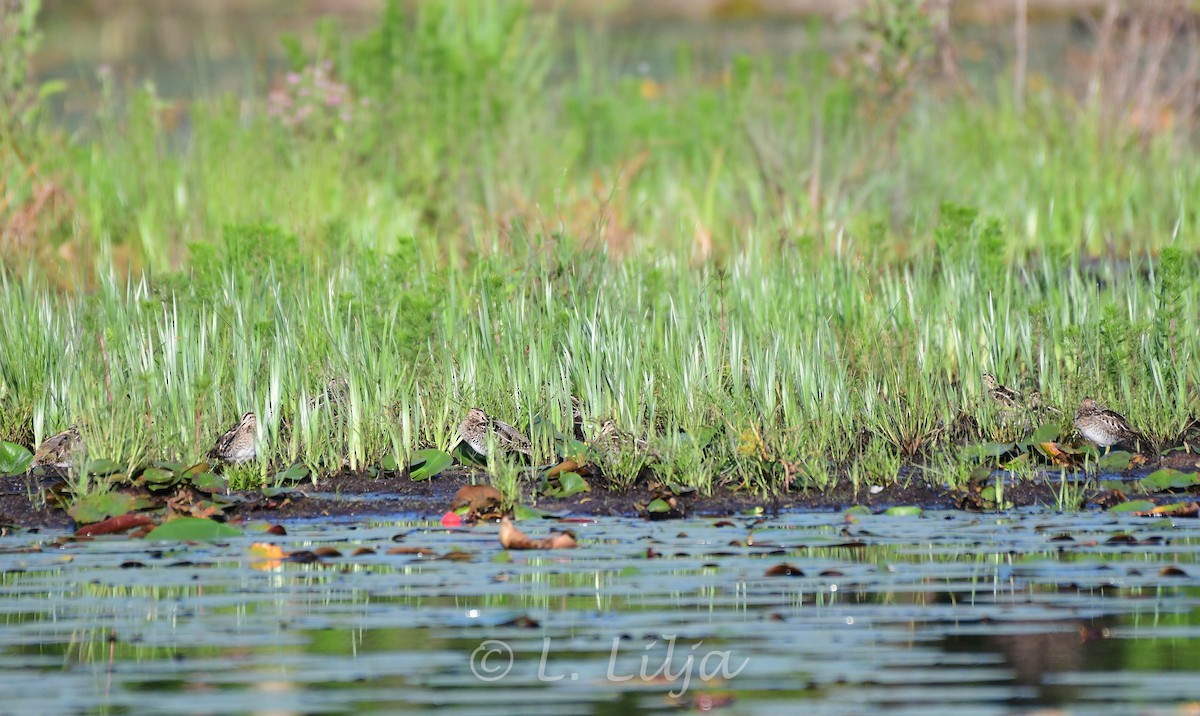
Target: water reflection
(948,612)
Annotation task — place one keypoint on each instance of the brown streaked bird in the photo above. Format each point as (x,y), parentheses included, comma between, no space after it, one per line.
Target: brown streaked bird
(1106,427)
(1012,400)
(613,437)
(577,417)
(1001,394)
(477,426)
(337,391)
(237,444)
(58,451)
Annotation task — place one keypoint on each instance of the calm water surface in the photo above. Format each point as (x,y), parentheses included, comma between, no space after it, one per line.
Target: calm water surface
(944,613)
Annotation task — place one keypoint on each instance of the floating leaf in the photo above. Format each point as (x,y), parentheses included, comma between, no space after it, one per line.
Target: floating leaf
(525,512)
(115,525)
(159,478)
(1168,479)
(278,491)
(477,498)
(196,470)
(265,556)
(97,506)
(295,473)
(208,482)
(1133,506)
(14,459)
(567,484)
(858,510)
(903,511)
(1059,454)
(1177,509)
(431,463)
(1115,461)
(192,529)
(513,538)
(658,506)
(783,569)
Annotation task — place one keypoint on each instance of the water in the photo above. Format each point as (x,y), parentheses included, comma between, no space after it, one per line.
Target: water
(946,613)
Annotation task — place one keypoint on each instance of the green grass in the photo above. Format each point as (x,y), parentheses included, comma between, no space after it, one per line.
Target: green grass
(507,220)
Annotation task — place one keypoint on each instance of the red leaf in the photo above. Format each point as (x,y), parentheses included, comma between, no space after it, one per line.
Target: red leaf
(115,525)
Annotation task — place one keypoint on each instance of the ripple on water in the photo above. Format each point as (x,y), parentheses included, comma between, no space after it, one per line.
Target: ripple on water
(948,612)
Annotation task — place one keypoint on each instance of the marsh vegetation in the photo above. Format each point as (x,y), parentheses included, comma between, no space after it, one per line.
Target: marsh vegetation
(775,273)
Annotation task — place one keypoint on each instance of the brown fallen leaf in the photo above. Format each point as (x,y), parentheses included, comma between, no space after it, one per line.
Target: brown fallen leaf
(784,569)
(1057,455)
(266,556)
(115,525)
(513,538)
(567,465)
(423,551)
(1175,509)
(478,499)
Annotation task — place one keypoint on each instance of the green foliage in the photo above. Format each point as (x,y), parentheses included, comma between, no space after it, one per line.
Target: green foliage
(19,38)
(192,529)
(428,463)
(246,247)
(486,231)
(14,459)
(1174,278)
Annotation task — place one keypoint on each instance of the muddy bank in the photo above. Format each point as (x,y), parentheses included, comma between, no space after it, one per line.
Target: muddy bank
(354,495)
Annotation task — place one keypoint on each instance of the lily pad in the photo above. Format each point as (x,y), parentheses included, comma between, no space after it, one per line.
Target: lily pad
(295,473)
(1115,461)
(525,512)
(431,463)
(97,506)
(193,529)
(1168,479)
(14,459)
(208,482)
(1133,506)
(903,511)
(196,469)
(159,478)
(569,483)
(658,506)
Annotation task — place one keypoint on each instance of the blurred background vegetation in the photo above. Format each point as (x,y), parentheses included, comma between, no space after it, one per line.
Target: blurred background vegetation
(141,129)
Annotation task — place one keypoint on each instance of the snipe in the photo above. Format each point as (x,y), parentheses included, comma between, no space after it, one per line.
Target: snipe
(237,444)
(1106,427)
(477,426)
(58,451)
